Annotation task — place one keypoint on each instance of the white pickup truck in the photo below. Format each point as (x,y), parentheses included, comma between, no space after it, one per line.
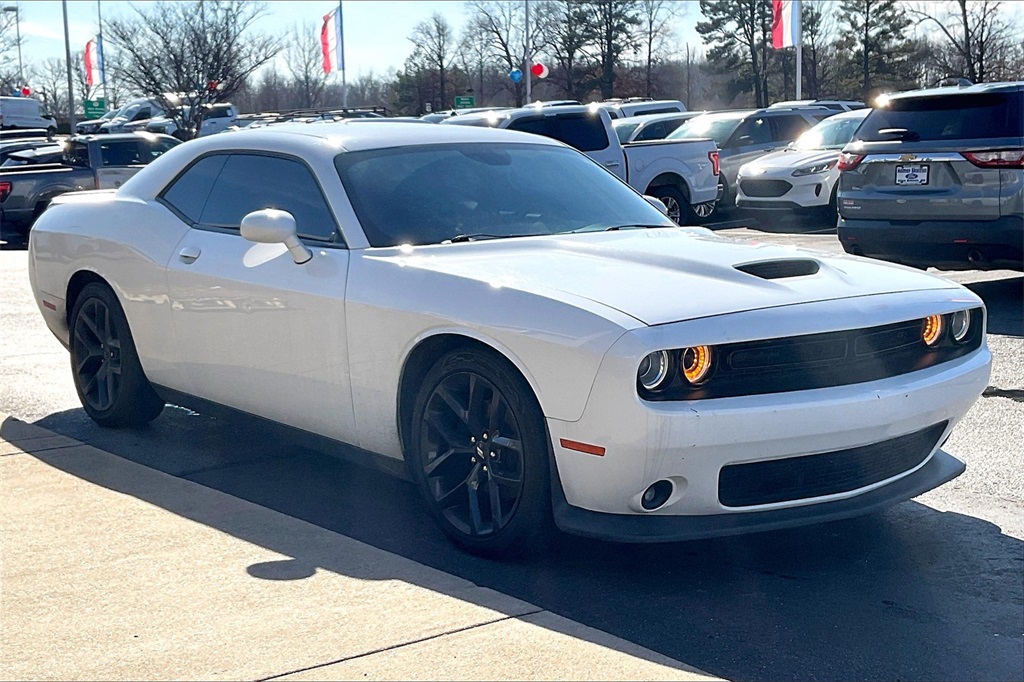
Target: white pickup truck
(684,176)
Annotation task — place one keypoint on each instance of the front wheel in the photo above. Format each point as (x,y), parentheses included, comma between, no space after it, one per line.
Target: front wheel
(478,453)
(104,363)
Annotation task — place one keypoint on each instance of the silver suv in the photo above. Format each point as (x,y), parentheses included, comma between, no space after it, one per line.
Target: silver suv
(936,178)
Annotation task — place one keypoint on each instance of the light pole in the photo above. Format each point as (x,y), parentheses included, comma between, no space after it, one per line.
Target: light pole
(17,28)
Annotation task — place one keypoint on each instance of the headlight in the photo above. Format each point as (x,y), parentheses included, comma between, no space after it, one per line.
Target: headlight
(696,364)
(931,330)
(817,168)
(653,370)
(960,325)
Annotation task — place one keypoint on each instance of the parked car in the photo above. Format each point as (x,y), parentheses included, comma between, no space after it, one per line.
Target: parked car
(745,135)
(650,126)
(51,152)
(640,106)
(89,162)
(683,175)
(25,112)
(10,146)
(803,177)
(936,178)
(92,126)
(504,335)
(134,111)
(836,104)
(216,119)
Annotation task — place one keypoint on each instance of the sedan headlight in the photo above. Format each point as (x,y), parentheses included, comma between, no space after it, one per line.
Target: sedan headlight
(960,325)
(653,370)
(823,167)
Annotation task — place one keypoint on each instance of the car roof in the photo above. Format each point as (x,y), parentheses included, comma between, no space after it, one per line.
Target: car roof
(856,113)
(1008,86)
(117,137)
(652,118)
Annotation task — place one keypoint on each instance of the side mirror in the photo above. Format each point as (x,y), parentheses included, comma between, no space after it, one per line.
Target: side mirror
(657,203)
(271,226)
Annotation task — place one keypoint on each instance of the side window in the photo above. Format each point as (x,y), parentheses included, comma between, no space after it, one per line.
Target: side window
(143,114)
(655,131)
(538,125)
(251,182)
(152,150)
(77,155)
(584,132)
(188,193)
(788,128)
(124,153)
(753,131)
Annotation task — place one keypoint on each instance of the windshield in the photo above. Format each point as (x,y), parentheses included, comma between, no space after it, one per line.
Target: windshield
(624,129)
(718,129)
(832,133)
(433,193)
(129,111)
(946,117)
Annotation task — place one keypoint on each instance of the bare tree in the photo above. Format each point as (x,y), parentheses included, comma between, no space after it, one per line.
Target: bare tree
(573,29)
(655,34)
(50,78)
(616,21)
(818,27)
(190,54)
(435,44)
(503,27)
(970,31)
(305,63)
(8,53)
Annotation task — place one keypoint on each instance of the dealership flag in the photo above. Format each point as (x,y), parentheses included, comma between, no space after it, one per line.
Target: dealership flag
(94,62)
(332,41)
(785,23)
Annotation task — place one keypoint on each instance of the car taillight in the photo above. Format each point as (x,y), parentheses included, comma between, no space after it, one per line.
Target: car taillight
(5,189)
(714,162)
(848,161)
(996,158)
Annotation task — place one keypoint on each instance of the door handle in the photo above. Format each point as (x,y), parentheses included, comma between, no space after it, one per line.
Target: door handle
(189,254)
(612,164)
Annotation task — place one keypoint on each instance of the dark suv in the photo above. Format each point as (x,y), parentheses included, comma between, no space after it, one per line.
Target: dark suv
(936,178)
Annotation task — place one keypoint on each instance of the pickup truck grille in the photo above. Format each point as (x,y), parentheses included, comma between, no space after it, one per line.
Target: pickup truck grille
(765,188)
(830,473)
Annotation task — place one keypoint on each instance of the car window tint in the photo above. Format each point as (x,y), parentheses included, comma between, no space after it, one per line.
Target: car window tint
(753,131)
(188,193)
(154,149)
(143,114)
(250,182)
(124,153)
(537,125)
(949,117)
(787,128)
(654,131)
(584,132)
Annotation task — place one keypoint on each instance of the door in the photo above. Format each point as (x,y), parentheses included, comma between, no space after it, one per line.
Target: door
(751,139)
(259,332)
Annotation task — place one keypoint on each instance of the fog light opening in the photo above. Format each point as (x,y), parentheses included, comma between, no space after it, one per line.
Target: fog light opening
(656,495)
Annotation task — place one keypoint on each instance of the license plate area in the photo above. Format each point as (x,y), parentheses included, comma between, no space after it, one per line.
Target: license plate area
(912,174)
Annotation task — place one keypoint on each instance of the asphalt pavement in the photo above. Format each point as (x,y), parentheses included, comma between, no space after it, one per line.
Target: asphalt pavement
(930,589)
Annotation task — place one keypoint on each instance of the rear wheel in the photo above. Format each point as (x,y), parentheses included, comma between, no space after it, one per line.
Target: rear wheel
(479,455)
(108,376)
(676,205)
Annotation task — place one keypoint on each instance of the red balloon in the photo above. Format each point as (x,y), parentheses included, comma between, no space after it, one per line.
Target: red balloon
(26,91)
(537,69)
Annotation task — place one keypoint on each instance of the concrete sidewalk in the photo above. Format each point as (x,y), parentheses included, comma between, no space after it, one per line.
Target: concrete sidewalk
(113,570)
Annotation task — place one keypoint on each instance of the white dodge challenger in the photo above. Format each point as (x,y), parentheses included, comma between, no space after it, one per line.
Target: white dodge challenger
(538,343)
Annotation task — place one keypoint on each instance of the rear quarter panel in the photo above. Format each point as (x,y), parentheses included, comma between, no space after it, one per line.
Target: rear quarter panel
(686,158)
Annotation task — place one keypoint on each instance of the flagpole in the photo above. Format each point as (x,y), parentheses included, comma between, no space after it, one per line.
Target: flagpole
(103,63)
(799,50)
(529,55)
(341,38)
(67,54)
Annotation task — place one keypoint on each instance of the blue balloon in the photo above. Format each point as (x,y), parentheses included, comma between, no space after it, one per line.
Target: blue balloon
(516,75)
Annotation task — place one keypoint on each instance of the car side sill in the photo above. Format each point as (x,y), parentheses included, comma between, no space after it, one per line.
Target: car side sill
(301,437)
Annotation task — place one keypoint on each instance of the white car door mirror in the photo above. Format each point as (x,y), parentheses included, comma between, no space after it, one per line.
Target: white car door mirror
(657,203)
(271,226)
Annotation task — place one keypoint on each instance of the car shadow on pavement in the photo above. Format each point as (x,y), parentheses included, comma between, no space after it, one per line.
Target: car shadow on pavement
(1004,300)
(913,593)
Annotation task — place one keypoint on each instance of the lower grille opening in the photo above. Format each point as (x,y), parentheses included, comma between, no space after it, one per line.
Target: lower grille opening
(829,473)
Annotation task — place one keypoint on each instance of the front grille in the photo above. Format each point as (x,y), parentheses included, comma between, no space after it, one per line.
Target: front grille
(799,478)
(765,188)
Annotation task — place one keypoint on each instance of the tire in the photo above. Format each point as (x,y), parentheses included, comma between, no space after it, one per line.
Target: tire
(477,443)
(104,363)
(678,206)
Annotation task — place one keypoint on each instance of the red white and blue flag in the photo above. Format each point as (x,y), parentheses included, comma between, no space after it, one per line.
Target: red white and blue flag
(785,23)
(332,41)
(94,62)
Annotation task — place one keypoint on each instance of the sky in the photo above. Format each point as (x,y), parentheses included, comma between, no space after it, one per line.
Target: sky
(376,32)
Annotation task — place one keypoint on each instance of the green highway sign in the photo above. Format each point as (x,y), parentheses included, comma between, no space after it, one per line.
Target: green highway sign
(94,108)
(464,101)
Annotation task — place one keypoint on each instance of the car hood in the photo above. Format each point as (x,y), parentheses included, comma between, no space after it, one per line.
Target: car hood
(788,160)
(657,276)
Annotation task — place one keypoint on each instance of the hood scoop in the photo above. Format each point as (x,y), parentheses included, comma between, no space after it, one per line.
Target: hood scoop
(780,269)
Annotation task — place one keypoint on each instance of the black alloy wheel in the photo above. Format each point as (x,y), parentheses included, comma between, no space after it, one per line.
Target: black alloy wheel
(480,455)
(105,366)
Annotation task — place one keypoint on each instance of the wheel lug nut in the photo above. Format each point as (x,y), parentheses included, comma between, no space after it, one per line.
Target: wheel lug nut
(485,468)
(472,460)
(472,439)
(485,436)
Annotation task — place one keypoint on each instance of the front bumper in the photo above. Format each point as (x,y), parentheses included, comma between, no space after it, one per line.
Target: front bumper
(939,469)
(689,442)
(809,192)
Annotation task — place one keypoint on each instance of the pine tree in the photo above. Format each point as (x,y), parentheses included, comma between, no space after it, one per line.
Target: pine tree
(739,35)
(873,34)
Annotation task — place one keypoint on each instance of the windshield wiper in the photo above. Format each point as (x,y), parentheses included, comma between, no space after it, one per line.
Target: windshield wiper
(616,228)
(460,238)
(901,133)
